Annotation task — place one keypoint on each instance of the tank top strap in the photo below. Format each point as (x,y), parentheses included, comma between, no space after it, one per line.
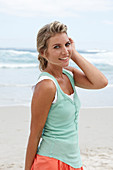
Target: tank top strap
(50,76)
(70,76)
(66,72)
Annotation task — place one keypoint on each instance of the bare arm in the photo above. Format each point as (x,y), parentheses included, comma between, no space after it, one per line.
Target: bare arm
(90,77)
(41,102)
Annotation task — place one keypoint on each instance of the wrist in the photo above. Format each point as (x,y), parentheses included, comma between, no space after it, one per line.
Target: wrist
(74,54)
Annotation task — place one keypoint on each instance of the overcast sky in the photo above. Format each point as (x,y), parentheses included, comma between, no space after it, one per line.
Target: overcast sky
(90,22)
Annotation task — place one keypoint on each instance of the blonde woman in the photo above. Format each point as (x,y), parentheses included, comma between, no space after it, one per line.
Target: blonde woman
(53,141)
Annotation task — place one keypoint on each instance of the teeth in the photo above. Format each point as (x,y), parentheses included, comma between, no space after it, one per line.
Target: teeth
(63,58)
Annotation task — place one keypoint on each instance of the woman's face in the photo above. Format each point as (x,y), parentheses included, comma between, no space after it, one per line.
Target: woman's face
(59,50)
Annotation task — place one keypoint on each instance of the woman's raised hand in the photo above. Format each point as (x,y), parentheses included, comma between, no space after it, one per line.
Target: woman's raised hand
(73,47)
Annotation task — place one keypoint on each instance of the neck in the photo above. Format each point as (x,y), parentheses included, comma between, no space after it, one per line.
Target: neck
(54,70)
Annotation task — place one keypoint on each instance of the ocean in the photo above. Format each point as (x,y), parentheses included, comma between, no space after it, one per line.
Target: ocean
(19,72)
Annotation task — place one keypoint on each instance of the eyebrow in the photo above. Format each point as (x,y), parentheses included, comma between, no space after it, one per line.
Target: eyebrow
(60,44)
(56,44)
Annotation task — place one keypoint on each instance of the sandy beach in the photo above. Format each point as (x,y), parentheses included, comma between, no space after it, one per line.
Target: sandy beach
(95,137)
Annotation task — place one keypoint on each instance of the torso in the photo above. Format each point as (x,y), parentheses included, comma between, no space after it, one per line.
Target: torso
(60,133)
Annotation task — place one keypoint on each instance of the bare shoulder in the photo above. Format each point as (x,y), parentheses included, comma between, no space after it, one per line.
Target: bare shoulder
(45,85)
(45,88)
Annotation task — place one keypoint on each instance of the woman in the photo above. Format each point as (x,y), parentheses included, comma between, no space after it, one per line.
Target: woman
(55,104)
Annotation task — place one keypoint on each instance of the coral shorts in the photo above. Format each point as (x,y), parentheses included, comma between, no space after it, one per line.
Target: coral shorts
(47,163)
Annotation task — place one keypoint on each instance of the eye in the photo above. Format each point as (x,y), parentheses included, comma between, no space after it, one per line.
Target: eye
(56,46)
(67,44)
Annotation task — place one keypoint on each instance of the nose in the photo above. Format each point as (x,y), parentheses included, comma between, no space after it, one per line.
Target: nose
(64,50)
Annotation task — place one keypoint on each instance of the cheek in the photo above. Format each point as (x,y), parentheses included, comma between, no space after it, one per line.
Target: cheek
(70,50)
(53,55)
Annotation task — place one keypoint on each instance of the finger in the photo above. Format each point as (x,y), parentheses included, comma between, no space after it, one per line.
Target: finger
(70,39)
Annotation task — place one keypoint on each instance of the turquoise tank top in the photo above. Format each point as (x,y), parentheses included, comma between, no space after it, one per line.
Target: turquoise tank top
(60,133)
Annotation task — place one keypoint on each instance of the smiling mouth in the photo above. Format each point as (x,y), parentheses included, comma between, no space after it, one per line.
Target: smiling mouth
(63,58)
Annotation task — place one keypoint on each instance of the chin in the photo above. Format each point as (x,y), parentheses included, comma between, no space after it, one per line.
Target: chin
(66,65)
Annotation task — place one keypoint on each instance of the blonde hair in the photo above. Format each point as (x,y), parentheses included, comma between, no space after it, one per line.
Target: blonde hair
(43,35)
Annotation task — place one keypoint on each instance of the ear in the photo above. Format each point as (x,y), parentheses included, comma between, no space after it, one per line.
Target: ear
(43,54)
